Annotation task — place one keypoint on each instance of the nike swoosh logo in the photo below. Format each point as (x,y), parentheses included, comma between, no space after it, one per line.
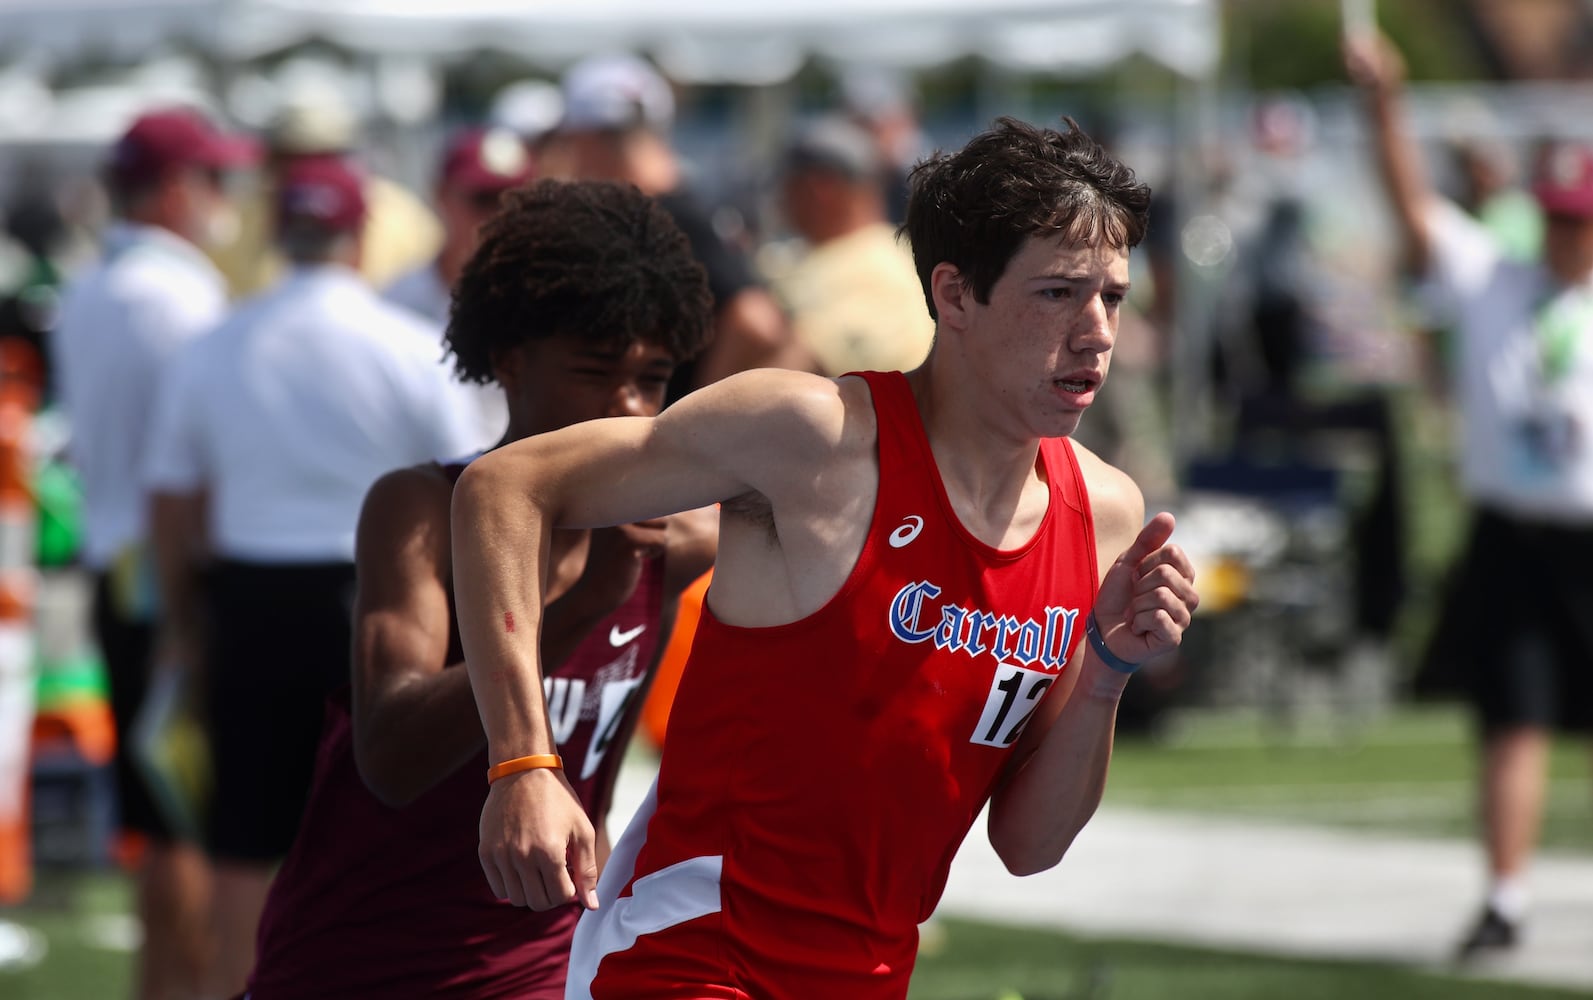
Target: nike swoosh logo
(616,637)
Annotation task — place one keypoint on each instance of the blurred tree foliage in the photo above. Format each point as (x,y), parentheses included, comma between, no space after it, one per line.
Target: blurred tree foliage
(1271,45)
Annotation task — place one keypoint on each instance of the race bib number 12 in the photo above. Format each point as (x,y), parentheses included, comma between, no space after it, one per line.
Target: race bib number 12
(1014,695)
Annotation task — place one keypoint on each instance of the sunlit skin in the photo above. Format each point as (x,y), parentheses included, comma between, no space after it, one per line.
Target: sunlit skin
(1046,333)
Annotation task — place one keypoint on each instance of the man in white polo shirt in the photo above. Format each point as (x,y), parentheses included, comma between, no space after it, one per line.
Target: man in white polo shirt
(121,322)
(267,436)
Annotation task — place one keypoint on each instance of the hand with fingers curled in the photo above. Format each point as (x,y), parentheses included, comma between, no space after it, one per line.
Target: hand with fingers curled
(538,848)
(1147,596)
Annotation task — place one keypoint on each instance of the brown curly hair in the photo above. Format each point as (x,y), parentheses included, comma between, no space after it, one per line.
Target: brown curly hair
(598,261)
(974,208)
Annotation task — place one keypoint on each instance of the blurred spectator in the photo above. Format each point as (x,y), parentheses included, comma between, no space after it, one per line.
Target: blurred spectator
(121,323)
(1489,193)
(1518,627)
(881,103)
(531,109)
(400,233)
(478,167)
(267,436)
(617,110)
(854,297)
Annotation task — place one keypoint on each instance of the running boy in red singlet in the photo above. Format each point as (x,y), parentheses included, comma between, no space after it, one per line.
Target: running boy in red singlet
(579,303)
(926,599)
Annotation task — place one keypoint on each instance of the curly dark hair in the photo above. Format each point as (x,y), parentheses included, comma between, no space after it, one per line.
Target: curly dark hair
(598,261)
(975,207)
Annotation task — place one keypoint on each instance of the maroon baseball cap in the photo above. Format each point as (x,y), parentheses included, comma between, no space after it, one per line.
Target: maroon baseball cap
(159,142)
(486,160)
(322,191)
(1563,181)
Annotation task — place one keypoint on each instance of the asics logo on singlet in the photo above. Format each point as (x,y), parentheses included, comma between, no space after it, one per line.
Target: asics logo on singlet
(976,632)
(908,531)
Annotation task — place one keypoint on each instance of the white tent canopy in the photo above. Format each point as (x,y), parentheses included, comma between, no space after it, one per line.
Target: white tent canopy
(697,40)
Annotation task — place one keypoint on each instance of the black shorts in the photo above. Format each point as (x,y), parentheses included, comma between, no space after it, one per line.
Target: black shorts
(279,644)
(127,646)
(1519,623)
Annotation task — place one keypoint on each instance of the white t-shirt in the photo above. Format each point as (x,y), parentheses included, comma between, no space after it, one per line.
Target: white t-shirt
(422,292)
(290,410)
(121,323)
(1524,384)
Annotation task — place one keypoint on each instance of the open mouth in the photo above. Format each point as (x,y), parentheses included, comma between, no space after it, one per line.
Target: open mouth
(1078,386)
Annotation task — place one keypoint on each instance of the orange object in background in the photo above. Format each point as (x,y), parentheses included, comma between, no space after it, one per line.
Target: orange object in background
(655,710)
(20,381)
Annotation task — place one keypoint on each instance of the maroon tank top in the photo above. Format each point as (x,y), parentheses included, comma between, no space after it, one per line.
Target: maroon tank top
(380,902)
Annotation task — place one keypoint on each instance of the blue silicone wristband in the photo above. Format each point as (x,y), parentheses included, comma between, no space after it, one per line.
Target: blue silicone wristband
(1092,632)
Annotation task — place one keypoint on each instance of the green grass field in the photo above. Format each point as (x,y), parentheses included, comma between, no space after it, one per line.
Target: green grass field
(84,920)
(986,962)
(1410,773)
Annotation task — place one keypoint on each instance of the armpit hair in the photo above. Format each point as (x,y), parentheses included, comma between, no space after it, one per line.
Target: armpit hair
(754,508)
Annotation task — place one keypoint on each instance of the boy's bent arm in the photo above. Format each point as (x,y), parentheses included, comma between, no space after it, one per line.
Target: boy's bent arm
(1057,774)
(414,720)
(729,440)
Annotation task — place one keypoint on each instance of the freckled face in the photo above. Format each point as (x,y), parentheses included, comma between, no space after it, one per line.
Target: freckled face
(1044,340)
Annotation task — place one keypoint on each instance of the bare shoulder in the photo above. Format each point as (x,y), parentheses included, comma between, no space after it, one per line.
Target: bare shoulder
(1116,504)
(409,488)
(795,412)
(408,504)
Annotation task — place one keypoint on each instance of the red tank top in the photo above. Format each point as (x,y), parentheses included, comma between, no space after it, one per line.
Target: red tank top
(820,775)
(381,902)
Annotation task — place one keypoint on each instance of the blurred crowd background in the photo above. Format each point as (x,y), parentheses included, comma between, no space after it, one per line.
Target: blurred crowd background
(1275,383)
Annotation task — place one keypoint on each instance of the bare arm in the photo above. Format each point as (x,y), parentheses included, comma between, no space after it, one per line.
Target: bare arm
(1057,774)
(415,720)
(741,436)
(1373,63)
(181,549)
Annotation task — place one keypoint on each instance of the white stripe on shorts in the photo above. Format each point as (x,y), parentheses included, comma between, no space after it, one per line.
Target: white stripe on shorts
(684,891)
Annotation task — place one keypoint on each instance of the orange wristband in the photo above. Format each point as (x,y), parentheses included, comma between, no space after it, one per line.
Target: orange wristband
(518,764)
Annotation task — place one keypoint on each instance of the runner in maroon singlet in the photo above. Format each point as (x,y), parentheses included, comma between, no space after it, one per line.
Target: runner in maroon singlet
(579,304)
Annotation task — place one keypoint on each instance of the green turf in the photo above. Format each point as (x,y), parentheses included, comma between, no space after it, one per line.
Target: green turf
(1411,772)
(987,962)
(76,915)
(971,961)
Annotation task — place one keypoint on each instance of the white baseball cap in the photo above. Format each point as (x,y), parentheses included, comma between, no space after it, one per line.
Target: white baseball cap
(616,92)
